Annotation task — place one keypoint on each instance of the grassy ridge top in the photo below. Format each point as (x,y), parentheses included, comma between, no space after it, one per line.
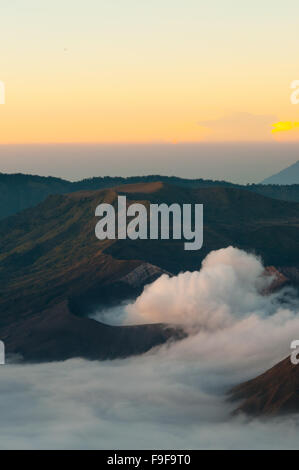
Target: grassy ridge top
(19,191)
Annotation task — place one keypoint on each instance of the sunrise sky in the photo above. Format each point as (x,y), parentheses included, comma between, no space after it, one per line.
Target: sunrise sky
(147,71)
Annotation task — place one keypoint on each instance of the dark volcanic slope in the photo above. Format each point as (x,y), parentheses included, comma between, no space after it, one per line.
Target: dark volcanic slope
(231,217)
(274,392)
(49,256)
(57,335)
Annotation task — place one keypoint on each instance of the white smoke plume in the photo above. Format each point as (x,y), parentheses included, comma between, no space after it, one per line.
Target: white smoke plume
(229,286)
(174,396)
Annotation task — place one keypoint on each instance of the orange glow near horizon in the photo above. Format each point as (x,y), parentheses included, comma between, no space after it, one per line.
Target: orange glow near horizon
(146,73)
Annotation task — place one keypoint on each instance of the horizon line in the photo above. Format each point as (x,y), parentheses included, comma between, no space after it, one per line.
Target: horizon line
(140,143)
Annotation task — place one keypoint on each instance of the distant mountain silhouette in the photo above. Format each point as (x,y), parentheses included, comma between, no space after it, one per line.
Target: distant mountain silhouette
(19,191)
(289,175)
(54,272)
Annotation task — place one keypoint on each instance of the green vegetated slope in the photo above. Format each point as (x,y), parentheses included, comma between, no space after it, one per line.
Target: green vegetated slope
(19,191)
(50,252)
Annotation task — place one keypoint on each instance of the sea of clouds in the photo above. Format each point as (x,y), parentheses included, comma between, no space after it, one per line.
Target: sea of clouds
(174,396)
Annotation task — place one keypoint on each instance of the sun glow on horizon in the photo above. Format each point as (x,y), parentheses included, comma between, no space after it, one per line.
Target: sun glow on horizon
(140,72)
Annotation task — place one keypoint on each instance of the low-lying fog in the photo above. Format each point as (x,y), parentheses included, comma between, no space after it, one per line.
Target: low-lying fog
(173,396)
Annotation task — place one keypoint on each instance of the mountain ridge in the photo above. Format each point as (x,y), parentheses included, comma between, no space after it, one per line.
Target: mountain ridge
(20,191)
(50,257)
(274,392)
(287,176)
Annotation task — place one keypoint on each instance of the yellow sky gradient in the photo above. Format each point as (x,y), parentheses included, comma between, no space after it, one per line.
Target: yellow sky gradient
(134,72)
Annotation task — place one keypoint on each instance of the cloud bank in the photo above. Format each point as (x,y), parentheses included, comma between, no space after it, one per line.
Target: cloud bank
(244,125)
(173,396)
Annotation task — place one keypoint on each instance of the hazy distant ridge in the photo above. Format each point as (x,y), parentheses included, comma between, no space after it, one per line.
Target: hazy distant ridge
(289,175)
